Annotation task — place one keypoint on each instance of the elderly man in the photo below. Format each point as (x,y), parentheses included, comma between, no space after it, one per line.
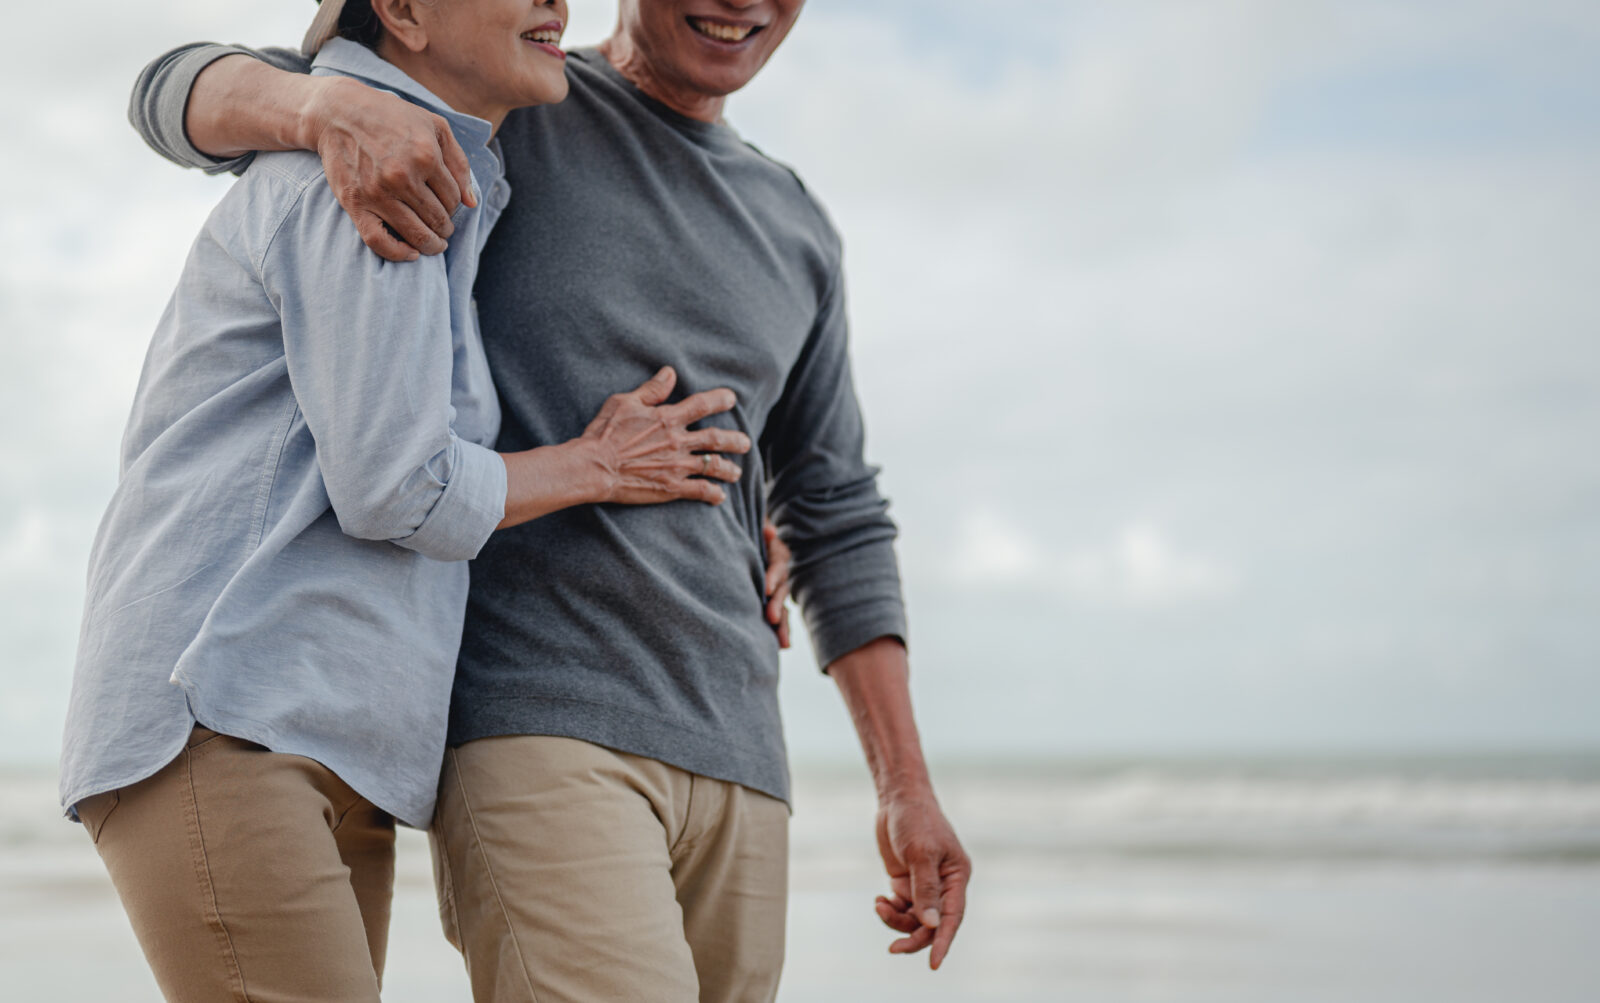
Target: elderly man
(612,821)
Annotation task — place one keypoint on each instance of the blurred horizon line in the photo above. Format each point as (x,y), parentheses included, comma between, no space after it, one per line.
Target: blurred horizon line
(1034,764)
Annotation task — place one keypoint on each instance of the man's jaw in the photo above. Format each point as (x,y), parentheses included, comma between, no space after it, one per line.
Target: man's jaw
(727,33)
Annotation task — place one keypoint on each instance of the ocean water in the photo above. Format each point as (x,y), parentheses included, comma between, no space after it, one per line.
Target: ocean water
(1373,880)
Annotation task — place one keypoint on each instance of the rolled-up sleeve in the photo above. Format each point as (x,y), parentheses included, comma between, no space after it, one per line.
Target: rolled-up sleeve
(159,105)
(371,359)
(471,502)
(824,497)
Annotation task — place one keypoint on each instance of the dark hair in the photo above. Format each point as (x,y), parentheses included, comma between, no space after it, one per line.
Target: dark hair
(359,23)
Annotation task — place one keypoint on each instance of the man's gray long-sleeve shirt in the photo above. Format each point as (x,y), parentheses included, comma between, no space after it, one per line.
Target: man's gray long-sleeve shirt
(638,237)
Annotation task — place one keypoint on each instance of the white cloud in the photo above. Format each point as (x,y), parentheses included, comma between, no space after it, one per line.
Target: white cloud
(1142,569)
(1138,568)
(991,552)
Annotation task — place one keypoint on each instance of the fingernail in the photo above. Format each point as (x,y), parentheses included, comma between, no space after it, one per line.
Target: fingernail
(930,917)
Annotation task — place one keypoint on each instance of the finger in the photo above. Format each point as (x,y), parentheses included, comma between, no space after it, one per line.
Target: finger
(925,898)
(457,171)
(717,440)
(702,490)
(895,920)
(901,886)
(657,388)
(432,210)
(717,468)
(914,943)
(381,240)
(444,188)
(774,577)
(783,631)
(701,405)
(777,558)
(955,908)
(782,595)
(403,220)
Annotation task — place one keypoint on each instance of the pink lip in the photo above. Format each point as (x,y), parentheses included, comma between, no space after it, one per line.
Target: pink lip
(546,46)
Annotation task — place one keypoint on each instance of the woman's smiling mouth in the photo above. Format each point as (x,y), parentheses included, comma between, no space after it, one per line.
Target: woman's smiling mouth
(546,37)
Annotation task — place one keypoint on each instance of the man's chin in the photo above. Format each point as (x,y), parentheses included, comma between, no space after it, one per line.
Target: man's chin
(720,74)
(721,83)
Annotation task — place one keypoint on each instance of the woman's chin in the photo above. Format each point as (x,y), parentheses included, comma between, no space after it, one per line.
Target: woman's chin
(545,88)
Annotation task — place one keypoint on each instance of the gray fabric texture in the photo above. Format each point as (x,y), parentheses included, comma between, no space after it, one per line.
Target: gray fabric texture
(638,237)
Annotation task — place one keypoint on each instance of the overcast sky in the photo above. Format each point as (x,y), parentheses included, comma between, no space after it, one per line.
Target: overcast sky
(1234,366)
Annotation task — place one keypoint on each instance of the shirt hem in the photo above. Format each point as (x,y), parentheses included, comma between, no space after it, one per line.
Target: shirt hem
(625,729)
(409,811)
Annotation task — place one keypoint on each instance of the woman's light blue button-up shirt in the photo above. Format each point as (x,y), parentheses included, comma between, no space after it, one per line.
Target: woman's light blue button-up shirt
(304,475)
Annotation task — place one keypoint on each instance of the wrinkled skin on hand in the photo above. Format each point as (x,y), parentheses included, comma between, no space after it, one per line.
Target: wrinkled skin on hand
(648,452)
(396,168)
(928,875)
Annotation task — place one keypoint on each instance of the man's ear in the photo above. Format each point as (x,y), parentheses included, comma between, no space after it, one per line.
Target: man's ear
(403,21)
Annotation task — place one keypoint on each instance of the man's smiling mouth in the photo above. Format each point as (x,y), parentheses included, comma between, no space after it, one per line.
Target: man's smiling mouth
(720,32)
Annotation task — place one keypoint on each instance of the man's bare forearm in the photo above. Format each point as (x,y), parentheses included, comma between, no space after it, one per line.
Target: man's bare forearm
(239,104)
(875,681)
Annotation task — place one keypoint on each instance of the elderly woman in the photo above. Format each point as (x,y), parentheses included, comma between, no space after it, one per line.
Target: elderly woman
(276,592)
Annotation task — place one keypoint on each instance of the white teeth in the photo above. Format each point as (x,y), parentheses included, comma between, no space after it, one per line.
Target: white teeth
(543,35)
(722,32)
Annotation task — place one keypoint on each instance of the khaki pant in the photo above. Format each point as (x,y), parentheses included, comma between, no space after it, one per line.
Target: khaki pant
(569,873)
(250,876)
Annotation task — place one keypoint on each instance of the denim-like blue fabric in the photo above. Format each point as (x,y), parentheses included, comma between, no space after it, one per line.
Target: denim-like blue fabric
(305,473)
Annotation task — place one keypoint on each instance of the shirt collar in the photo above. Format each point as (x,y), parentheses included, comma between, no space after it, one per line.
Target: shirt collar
(352,59)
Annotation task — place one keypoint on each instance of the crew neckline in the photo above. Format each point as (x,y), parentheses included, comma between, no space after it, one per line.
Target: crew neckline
(719,132)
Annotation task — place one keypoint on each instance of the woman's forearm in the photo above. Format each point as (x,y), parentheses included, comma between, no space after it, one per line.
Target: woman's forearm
(240,103)
(550,478)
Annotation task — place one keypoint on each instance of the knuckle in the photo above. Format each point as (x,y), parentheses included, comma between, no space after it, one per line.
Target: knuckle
(394,175)
(922,851)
